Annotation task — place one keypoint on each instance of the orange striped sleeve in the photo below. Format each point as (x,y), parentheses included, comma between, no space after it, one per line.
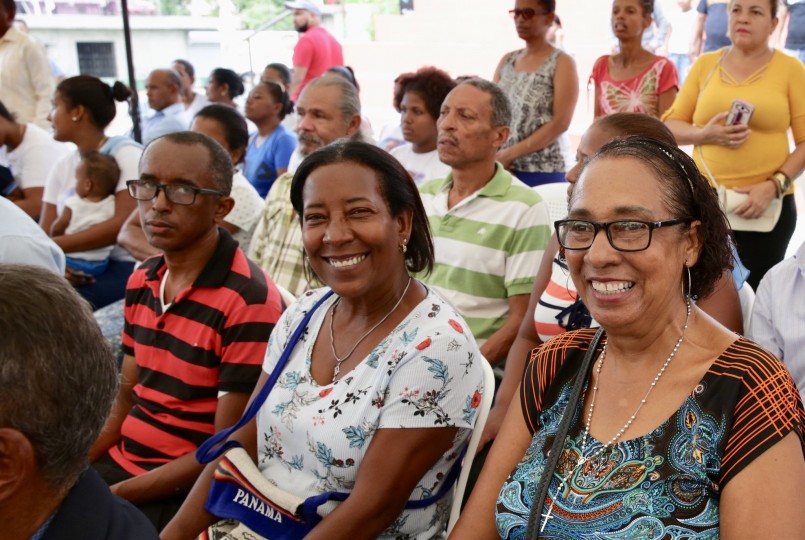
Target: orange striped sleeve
(767,408)
(543,367)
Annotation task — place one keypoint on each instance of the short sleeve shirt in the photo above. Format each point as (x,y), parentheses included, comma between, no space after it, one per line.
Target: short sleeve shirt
(210,339)
(668,480)
(638,94)
(317,50)
(715,26)
(426,373)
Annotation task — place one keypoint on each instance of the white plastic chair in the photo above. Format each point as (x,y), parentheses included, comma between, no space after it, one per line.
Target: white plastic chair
(287,296)
(746,295)
(555,195)
(472,446)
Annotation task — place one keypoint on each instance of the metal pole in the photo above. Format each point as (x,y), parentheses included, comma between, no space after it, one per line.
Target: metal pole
(134,106)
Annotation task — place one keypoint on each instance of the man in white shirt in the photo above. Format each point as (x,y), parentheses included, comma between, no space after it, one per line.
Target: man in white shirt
(163,88)
(778,314)
(26,83)
(22,241)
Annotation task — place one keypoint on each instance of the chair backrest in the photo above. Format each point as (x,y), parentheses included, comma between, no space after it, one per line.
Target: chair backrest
(472,446)
(287,296)
(555,195)
(746,295)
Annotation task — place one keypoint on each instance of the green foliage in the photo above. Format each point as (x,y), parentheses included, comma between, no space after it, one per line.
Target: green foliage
(173,7)
(254,13)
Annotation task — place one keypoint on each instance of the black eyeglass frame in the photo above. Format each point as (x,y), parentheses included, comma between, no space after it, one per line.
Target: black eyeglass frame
(598,225)
(527,13)
(130,184)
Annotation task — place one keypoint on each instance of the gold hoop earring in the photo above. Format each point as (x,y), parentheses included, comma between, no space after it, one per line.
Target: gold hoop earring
(403,246)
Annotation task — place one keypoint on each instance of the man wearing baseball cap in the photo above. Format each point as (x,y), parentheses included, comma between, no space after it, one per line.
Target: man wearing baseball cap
(316,51)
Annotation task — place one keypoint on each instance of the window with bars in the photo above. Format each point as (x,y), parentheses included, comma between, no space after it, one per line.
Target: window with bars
(97,58)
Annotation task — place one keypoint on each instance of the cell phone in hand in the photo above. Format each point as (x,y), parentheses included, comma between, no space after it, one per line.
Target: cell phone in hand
(740,113)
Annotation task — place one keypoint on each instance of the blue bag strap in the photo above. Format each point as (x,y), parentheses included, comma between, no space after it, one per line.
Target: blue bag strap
(311,504)
(207,451)
(113,143)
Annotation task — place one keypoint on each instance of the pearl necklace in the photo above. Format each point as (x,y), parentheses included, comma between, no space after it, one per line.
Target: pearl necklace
(547,515)
(339,361)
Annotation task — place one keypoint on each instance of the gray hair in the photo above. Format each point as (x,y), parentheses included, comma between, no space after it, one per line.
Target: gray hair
(350,102)
(57,373)
(172,75)
(220,166)
(501,110)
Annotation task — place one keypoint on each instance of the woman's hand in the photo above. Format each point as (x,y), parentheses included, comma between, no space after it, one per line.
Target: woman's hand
(505,158)
(760,196)
(715,132)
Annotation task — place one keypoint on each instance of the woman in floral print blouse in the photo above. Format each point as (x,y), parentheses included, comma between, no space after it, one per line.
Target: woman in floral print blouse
(381,392)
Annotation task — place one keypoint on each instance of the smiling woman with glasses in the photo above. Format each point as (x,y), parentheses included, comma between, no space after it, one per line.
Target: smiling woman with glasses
(623,234)
(662,418)
(542,86)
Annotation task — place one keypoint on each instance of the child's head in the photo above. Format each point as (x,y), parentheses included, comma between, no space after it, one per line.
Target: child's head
(97,175)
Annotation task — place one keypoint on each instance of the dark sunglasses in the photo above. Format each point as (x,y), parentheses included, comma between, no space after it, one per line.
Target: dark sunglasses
(527,13)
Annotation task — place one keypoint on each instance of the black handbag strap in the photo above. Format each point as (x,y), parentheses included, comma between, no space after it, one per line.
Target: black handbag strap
(532,532)
(207,451)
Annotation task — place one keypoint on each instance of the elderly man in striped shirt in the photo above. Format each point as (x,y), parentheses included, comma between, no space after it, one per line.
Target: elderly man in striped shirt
(489,228)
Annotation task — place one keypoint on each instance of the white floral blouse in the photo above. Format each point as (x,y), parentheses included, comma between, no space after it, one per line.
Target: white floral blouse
(425,373)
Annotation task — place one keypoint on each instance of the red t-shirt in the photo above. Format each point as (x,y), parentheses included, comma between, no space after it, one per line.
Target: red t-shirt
(317,50)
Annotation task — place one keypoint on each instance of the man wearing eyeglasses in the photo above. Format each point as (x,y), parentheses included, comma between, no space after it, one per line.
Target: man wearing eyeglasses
(197,322)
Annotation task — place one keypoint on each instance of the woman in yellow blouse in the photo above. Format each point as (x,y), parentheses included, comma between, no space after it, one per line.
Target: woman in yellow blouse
(754,159)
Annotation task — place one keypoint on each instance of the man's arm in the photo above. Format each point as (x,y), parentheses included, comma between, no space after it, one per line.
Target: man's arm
(178,476)
(31,201)
(110,434)
(302,60)
(497,346)
(298,77)
(527,339)
(762,329)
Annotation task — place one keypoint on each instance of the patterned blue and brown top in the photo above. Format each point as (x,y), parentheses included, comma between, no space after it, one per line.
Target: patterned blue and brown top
(664,484)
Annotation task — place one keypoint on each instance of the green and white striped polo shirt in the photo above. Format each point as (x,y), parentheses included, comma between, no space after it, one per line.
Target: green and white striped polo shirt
(488,247)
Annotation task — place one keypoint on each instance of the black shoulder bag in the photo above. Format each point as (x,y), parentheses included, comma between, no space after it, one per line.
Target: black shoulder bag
(532,532)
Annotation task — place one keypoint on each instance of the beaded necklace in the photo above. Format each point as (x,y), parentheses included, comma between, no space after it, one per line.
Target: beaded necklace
(585,435)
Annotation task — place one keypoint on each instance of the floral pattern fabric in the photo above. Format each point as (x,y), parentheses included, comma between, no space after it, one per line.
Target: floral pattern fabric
(425,373)
(665,484)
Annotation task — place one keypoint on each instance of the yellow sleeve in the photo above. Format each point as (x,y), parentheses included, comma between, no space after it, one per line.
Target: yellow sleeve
(796,99)
(684,105)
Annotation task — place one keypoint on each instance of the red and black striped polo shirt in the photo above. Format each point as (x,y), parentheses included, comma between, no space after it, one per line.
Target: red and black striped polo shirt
(211,339)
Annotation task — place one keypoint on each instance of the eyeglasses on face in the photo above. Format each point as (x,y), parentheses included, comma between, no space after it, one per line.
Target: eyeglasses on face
(623,234)
(527,13)
(183,194)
